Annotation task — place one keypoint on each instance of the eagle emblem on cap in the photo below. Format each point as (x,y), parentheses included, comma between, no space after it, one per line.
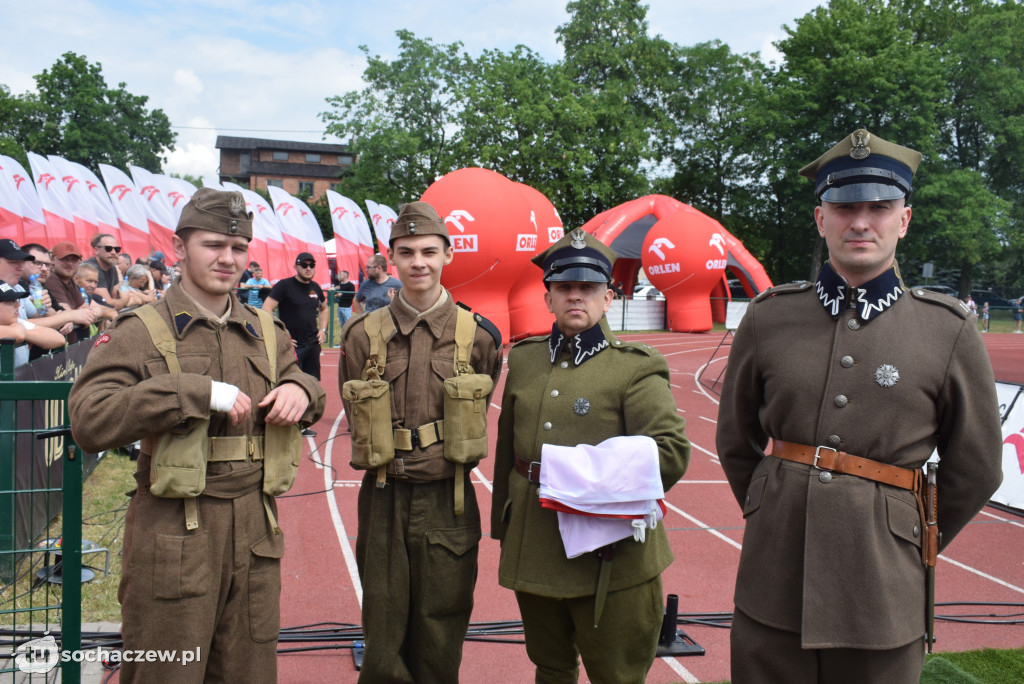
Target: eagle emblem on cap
(859,139)
(578,238)
(237,204)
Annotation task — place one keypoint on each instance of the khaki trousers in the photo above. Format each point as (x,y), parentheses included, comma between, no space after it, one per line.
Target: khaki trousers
(766,655)
(216,588)
(620,651)
(418,565)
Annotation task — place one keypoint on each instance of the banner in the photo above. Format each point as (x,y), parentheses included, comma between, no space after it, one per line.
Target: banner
(158,211)
(1011,404)
(60,224)
(33,222)
(131,214)
(302,232)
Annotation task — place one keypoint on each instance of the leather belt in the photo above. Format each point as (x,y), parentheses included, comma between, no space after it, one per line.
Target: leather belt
(240,448)
(528,469)
(421,437)
(827,458)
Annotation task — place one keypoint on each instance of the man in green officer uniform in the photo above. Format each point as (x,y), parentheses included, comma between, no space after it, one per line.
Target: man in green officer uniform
(419,522)
(202,550)
(856,379)
(581,385)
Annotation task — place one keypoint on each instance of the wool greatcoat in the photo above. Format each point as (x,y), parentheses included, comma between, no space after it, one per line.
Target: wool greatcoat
(569,396)
(879,371)
(216,587)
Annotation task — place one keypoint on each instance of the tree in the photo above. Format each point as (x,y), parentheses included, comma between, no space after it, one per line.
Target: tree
(75,115)
(403,123)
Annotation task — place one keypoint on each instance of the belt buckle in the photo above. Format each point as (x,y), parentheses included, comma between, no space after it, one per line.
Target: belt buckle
(529,471)
(415,438)
(817,455)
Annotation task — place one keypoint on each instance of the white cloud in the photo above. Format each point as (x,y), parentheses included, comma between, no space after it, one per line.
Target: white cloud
(189,85)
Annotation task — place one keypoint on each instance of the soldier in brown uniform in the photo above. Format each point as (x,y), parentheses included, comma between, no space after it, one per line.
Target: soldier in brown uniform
(581,385)
(416,551)
(199,571)
(856,379)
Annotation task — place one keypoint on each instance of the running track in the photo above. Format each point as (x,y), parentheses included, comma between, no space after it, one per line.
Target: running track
(985,563)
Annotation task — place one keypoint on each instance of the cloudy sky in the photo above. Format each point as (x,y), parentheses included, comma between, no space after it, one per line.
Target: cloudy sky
(264,69)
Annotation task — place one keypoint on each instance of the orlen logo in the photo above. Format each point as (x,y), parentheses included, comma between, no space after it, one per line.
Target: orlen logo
(1017,441)
(283,208)
(658,244)
(149,192)
(462,243)
(340,211)
(70,181)
(526,242)
(18,180)
(120,191)
(555,233)
(715,264)
(718,242)
(177,196)
(46,179)
(378,218)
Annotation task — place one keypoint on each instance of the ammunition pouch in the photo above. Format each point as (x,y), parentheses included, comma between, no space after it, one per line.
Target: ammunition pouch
(282,448)
(465,417)
(373,444)
(178,466)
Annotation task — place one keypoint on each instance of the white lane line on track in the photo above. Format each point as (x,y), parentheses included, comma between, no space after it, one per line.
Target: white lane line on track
(1002,519)
(678,668)
(710,420)
(702,525)
(968,568)
(698,447)
(339,526)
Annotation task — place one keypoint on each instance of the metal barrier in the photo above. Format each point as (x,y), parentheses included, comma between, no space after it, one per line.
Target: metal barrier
(30,604)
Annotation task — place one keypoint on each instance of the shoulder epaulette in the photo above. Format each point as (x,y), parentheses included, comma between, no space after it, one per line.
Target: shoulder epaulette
(787,288)
(489,327)
(939,299)
(529,340)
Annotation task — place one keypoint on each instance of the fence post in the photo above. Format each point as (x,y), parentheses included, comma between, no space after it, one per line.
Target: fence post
(8,437)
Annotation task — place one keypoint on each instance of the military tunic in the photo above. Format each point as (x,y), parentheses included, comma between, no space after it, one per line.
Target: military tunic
(216,587)
(880,372)
(417,560)
(582,392)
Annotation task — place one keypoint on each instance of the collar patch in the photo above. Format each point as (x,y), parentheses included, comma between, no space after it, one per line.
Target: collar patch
(251,330)
(583,346)
(181,320)
(870,299)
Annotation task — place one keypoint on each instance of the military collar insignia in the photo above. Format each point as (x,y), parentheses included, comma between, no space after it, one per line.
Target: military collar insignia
(870,299)
(583,346)
(181,320)
(251,330)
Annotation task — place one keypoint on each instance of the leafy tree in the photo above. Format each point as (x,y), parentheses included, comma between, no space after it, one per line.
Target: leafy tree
(75,115)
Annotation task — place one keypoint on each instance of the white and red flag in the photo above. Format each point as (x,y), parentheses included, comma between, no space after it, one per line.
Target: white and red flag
(25,203)
(300,225)
(383,217)
(278,264)
(105,214)
(60,222)
(87,222)
(130,210)
(158,210)
(348,249)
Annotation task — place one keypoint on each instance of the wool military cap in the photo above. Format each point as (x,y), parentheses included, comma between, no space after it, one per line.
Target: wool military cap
(9,294)
(863,168)
(10,250)
(578,257)
(65,248)
(219,211)
(418,218)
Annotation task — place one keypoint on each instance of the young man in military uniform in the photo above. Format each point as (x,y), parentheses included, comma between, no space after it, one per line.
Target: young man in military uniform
(200,571)
(581,385)
(856,379)
(419,523)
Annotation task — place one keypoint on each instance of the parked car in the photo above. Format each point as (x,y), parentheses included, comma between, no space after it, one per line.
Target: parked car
(647,292)
(994,300)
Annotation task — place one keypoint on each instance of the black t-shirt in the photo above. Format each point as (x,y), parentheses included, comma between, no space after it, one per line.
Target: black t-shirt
(346,291)
(107,279)
(297,306)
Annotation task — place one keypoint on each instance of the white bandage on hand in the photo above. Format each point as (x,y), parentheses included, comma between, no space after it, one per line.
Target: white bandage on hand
(222,396)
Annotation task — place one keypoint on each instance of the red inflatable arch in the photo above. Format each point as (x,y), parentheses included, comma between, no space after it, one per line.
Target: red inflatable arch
(527,313)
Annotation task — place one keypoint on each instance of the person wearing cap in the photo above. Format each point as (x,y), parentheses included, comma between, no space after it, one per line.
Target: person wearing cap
(416,551)
(303,312)
(856,379)
(12,326)
(581,385)
(378,289)
(204,382)
(64,292)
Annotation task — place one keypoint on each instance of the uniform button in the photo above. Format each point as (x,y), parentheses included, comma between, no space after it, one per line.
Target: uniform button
(825,477)
(917,531)
(554,393)
(547,426)
(842,401)
(853,324)
(847,361)
(834,441)
(617,343)
(747,501)
(564,364)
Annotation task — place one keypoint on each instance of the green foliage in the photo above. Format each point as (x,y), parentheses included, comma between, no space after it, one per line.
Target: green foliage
(75,115)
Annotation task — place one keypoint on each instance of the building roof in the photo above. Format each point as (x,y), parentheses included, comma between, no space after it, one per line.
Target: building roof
(228,142)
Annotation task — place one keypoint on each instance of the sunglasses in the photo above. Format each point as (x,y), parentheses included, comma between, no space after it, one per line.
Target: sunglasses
(110,248)
(307,264)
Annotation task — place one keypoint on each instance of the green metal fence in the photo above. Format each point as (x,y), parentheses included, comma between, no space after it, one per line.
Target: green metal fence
(39,612)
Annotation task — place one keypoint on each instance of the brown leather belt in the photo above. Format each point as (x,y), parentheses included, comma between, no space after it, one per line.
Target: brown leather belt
(528,469)
(827,458)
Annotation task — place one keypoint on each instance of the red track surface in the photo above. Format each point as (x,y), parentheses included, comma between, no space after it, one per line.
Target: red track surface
(985,563)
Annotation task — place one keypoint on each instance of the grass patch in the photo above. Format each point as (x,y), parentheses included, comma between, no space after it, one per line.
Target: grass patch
(103,510)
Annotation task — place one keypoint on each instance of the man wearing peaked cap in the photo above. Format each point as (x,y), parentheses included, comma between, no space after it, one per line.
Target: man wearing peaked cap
(211,388)
(581,385)
(419,521)
(854,380)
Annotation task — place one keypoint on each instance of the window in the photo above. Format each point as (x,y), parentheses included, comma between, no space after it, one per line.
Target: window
(312,158)
(243,161)
(280,156)
(306,187)
(336,187)
(274,183)
(344,159)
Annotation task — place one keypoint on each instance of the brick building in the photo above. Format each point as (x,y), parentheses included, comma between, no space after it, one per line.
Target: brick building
(296,167)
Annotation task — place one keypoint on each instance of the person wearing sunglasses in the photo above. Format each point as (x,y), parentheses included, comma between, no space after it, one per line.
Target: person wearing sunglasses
(302,311)
(104,258)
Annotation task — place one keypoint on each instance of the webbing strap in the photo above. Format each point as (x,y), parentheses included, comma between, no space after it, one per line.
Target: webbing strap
(460,489)
(191,514)
(379,327)
(465,331)
(161,335)
(269,341)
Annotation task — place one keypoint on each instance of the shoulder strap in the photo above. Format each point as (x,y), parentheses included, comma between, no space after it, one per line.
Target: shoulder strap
(379,327)
(465,331)
(269,341)
(161,335)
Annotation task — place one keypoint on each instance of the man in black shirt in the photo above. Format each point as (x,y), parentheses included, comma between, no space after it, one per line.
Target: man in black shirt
(302,312)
